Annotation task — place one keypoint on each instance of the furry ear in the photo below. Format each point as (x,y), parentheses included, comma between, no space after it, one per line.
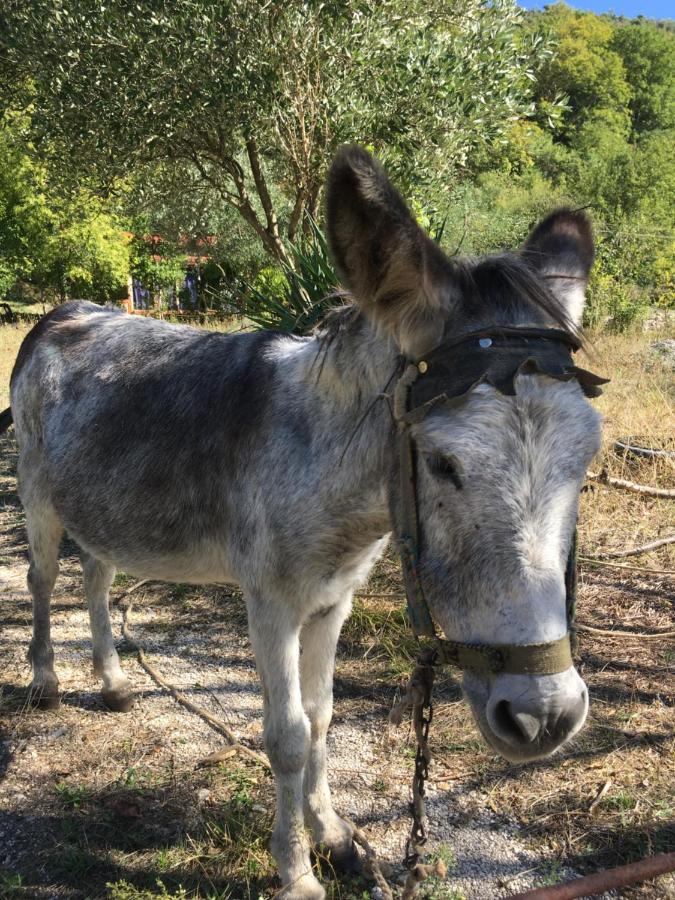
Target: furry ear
(396,273)
(562,249)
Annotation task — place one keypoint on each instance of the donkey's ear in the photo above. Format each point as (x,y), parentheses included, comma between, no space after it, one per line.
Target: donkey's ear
(561,247)
(398,276)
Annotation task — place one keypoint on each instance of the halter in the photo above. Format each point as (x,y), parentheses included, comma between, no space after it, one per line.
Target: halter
(494,356)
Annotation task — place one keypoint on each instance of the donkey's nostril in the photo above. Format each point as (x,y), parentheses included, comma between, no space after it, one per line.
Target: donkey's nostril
(513,726)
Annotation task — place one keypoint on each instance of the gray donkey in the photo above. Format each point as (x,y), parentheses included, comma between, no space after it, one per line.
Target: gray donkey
(183,455)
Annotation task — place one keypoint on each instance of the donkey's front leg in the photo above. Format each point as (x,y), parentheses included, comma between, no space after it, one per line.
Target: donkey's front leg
(275,638)
(319,640)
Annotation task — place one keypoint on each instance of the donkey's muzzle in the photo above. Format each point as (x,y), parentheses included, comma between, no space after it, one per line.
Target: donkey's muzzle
(531,716)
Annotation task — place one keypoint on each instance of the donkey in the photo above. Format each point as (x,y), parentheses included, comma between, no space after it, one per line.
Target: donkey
(182,455)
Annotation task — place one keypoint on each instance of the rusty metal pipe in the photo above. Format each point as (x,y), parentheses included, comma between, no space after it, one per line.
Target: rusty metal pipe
(591,885)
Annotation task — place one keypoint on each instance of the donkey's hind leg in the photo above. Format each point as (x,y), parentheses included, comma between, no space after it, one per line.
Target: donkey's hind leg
(44,536)
(319,639)
(98,576)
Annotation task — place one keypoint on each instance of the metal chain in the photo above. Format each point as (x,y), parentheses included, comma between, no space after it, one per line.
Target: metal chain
(422,715)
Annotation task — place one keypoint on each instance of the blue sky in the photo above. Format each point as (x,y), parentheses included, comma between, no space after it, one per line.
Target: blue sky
(654,9)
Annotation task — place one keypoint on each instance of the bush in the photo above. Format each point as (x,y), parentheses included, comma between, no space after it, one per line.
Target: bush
(294,298)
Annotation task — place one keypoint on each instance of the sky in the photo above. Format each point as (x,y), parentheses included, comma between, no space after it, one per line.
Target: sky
(654,9)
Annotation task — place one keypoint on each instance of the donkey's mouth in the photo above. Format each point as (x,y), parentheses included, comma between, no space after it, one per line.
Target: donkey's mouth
(527,717)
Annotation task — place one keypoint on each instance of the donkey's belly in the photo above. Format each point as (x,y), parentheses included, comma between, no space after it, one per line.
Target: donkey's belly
(202,563)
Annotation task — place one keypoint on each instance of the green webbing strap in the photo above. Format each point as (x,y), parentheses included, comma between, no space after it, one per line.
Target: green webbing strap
(509,659)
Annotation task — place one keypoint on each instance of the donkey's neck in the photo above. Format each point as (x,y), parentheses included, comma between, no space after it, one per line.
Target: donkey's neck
(340,382)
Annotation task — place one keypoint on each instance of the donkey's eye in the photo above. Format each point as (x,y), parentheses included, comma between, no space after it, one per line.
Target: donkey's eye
(446,467)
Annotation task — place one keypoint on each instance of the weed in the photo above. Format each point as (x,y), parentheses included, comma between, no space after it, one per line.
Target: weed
(72,796)
(551,873)
(73,863)
(10,883)
(123,580)
(122,890)
(621,801)
(241,783)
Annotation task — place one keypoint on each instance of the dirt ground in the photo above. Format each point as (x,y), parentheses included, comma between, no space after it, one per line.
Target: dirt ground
(95,804)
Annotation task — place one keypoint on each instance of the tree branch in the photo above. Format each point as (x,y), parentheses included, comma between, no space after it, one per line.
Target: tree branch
(296,214)
(265,199)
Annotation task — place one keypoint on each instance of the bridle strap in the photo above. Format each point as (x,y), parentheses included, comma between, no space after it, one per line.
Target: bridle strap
(508,659)
(548,658)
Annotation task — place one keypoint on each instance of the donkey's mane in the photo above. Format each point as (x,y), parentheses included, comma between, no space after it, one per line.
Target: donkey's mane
(505,286)
(501,289)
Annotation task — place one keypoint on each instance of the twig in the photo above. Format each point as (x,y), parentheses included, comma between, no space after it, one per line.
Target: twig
(598,797)
(649,636)
(211,720)
(604,478)
(612,565)
(134,587)
(591,885)
(650,452)
(634,551)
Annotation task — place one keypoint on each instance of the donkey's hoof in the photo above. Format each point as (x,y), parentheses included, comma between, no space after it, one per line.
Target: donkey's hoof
(44,696)
(343,859)
(121,700)
(304,888)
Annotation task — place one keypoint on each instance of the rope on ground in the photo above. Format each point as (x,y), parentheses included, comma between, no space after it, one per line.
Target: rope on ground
(635,551)
(591,885)
(212,721)
(604,478)
(373,866)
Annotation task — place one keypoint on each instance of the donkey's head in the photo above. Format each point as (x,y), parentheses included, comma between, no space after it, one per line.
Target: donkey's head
(498,472)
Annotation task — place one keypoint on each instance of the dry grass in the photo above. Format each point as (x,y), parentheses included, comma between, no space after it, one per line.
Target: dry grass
(10,340)
(639,402)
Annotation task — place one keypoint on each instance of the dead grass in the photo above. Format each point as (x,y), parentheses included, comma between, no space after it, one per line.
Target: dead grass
(639,403)
(10,340)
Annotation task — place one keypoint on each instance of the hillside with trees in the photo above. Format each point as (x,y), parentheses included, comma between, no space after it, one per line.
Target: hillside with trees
(210,121)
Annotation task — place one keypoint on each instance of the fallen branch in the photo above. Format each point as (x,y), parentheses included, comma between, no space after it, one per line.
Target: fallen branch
(612,565)
(626,448)
(203,714)
(634,551)
(604,478)
(631,634)
(591,885)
